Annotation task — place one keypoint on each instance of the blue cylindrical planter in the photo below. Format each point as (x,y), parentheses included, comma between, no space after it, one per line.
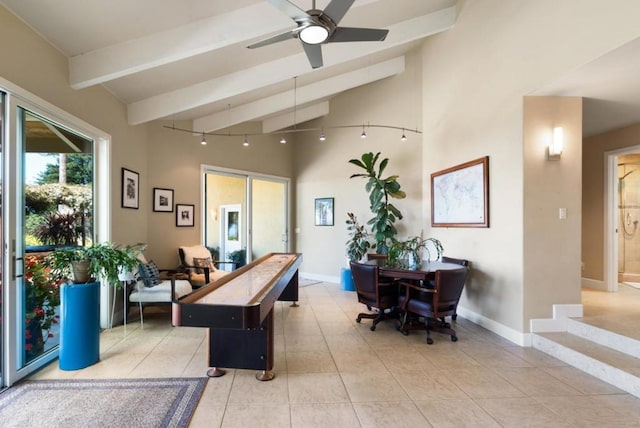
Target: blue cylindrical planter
(79,325)
(346,280)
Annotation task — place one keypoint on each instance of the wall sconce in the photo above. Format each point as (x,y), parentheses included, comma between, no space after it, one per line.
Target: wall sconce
(556,144)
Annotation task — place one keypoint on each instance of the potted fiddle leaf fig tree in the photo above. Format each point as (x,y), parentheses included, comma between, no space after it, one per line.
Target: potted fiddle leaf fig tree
(381,190)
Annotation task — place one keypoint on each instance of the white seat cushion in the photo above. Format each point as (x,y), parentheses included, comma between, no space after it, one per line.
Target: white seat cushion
(159,293)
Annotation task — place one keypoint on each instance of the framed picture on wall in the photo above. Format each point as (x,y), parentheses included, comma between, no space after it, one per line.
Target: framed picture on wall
(130,189)
(162,200)
(184,215)
(460,195)
(324,212)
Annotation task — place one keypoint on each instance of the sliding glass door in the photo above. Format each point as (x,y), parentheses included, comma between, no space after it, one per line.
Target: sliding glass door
(48,200)
(3,292)
(56,193)
(269,216)
(245,214)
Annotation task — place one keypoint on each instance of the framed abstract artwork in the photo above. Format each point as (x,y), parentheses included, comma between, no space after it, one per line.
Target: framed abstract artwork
(324,211)
(130,189)
(185,215)
(162,200)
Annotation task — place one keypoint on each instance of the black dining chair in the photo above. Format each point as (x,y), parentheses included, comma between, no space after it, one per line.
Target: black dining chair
(461,262)
(376,294)
(432,304)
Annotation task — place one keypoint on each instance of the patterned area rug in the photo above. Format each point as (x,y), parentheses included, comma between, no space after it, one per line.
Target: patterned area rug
(150,403)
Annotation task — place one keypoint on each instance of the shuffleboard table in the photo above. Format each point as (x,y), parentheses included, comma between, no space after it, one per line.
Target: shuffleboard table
(238,310)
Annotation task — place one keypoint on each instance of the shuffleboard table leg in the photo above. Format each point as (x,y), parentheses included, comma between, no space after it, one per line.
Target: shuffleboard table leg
(265,375)
(215,372)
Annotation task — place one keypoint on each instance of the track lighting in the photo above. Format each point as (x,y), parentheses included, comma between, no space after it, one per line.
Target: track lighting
(282,140)
(322,135)
(204,140)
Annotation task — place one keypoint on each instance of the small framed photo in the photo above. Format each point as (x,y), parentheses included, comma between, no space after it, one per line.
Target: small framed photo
(184,215)
(130,189)
(324,212)
(162,200)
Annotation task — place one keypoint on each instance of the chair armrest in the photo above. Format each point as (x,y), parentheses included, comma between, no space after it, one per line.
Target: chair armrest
(225,262)
(407,291)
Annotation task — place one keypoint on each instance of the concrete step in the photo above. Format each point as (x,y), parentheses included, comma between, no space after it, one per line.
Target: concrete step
(587,350)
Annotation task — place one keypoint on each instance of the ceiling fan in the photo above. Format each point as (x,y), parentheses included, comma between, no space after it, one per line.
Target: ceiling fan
(316,27)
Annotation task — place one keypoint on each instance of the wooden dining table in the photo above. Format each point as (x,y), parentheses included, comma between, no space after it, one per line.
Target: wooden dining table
(426,270)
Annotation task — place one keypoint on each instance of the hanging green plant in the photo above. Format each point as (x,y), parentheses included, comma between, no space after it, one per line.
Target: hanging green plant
(380,191)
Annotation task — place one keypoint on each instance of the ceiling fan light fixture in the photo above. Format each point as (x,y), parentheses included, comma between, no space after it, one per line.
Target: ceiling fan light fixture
(314,34)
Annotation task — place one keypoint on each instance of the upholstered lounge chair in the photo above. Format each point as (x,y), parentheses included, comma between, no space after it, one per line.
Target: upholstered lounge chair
(166,289)
(197,262)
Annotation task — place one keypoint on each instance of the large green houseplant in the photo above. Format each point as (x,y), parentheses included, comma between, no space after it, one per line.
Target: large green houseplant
(358,243)
(380,191)
(83,264)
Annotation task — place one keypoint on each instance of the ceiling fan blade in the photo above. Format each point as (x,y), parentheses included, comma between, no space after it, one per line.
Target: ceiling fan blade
(289,9)
(274,39)
(337,9)
(349,34)
(314,53)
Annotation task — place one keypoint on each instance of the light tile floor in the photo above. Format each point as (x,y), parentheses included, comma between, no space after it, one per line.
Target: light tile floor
(333,372)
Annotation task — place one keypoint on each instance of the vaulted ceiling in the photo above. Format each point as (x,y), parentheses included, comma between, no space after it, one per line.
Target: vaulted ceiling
(188,60)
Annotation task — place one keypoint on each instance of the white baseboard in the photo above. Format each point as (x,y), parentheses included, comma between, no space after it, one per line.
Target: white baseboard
(567,310)
(559,322)
(323,278)
(594,283)
(519,338)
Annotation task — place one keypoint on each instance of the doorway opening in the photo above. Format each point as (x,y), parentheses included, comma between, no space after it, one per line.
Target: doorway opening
(628,219)
(622,218)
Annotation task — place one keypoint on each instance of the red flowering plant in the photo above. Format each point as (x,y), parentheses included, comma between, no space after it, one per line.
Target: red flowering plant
(42,298)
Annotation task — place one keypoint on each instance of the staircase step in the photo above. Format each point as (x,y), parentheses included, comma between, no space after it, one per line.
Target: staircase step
(628,345)
(609,365)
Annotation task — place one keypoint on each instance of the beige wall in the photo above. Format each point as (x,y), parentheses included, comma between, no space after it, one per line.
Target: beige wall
(475,78)
(593,166)
(323,168)
(175,159)
(551,245)
(32,64)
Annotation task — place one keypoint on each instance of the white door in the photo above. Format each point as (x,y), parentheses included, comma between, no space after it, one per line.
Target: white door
(231,231)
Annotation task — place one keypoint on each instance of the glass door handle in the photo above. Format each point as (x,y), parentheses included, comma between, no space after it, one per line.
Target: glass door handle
(15,267)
